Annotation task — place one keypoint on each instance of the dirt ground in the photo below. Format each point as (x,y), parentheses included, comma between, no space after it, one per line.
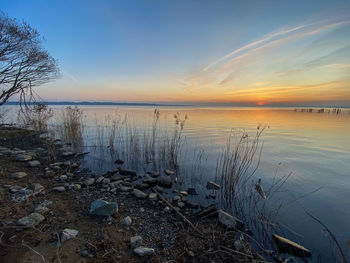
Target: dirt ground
(100,239)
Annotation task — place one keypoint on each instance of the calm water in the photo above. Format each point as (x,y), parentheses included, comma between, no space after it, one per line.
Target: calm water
(314,147)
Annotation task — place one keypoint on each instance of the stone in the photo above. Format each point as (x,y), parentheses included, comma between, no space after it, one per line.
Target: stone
(100,179)
(143,251)
(167,209)
(19,175)
(89,181)
(184,193)
(34,163)
(176,198)
(159,189)
(84,253)
(67,154)
(23,157)
(213,186)
(139,194)
(68,234)
(42,208)
(58,189)
(76,186)
(103,208)
(153,173)
(119,161)
(150,181)
(142,186)
(192,191)
(229,221)
(165,181)
(125,189)
(126,221)
(36,188)
(181,204)
(31,220)
(169,172)
(63,177)
(285,245)
(239,245)
(106,181)
(127,172)
(190,253)
(135,241)
(152,197)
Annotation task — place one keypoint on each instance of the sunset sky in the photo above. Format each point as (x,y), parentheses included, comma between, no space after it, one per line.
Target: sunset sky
(235,52)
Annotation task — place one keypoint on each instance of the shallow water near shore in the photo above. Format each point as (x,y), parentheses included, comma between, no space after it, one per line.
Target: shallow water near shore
(314,147)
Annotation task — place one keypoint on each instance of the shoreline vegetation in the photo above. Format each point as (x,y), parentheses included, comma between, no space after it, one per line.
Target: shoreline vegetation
(53,210)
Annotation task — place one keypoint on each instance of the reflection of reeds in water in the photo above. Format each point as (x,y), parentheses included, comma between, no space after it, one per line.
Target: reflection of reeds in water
(35,117)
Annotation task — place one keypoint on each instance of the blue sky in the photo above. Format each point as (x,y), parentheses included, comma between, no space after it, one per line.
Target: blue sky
(167,50)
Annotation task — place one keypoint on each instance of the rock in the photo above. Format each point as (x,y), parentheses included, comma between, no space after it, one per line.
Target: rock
(152,197)
(127,221)
(153,173)
(192,205)
(213,186)
(89,181)
(165,181)
(184,193)
(229,221)
(192,191)
(142,186)
(285,245)
(119,161)
(36,188)
(143,251)
(31,220)
(100,179)
(76,186)
(42,208)
(63,177)
(34,163)
(181,204)
(239,245)
(135,241)
(190,254)
(19,175)
(151,181)
(159,189)
(169,172)
(68,234)
(139,194)
(84,253)
(106,181)
(167,209)
(23,157)
(58,189)
(176,198)
(125,189)
(67,154)
(103,208)
(127,172)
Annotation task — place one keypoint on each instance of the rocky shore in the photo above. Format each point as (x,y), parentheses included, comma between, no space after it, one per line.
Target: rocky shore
(52,211)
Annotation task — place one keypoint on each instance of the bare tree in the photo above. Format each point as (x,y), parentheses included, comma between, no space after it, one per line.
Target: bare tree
(24,63)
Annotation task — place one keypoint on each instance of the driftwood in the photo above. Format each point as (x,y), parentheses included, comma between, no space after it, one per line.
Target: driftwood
(181,215)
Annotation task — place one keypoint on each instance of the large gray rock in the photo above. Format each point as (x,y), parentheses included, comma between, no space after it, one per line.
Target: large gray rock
(31,220)
(135,241)
(285,245)
(139,194)
(229,220)
(19,175)
(103,208)
(143,251)
(165,181)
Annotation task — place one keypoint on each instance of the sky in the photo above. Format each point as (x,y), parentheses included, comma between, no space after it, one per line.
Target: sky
(205,52)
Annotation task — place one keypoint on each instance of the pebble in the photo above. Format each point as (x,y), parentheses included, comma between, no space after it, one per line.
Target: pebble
(89,181)
(139,194)
(68,234)
(19,175)
(144,251)
(59,189)
(135,241)
(152,197)
(31,220)
(127,221)
(63,177)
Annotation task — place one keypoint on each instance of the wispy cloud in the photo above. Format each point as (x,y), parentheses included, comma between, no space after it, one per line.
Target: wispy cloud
(70,76)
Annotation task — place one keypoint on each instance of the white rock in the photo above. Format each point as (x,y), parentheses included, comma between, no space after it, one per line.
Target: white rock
(34,163)
(152,197)
(127,221)
(31,220)
(139,194)
(144,251)
(59,189)
(19,175)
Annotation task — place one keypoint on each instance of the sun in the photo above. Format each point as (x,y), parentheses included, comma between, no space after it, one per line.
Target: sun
(260,103)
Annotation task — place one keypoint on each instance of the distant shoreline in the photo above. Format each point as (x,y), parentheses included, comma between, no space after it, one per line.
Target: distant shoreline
(102,103)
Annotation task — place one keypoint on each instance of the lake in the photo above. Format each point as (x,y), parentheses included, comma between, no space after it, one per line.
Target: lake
(313,147)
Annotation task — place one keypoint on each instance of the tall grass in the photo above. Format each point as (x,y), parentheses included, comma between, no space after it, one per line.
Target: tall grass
(72,126)
(36,117)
